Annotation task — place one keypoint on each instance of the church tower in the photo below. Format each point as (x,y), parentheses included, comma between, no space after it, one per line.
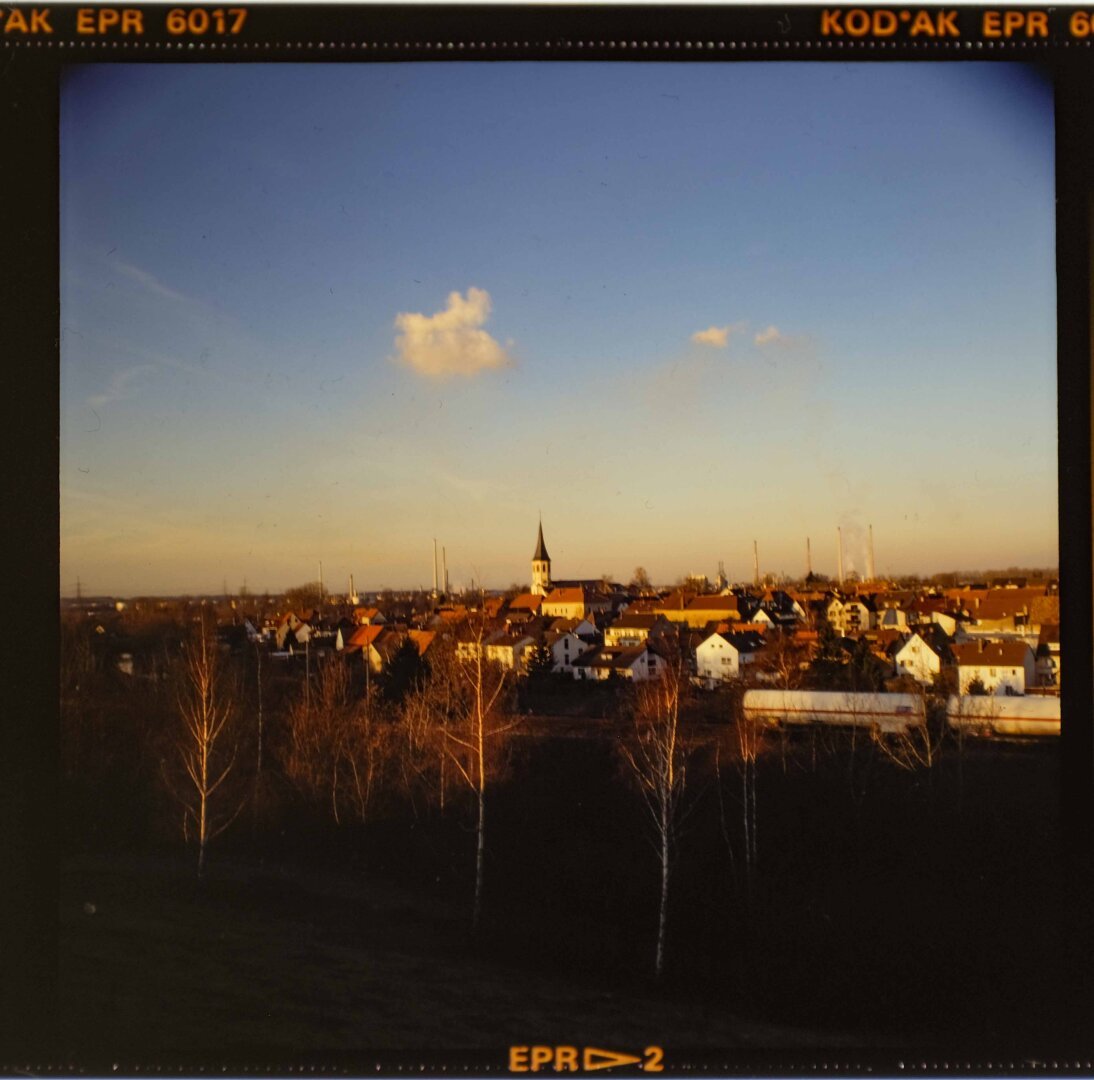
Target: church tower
(541,567)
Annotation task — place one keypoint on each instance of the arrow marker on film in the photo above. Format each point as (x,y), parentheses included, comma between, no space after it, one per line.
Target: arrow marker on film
(606,1059)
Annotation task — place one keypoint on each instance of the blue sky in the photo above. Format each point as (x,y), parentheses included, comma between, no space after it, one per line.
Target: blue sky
(331,312)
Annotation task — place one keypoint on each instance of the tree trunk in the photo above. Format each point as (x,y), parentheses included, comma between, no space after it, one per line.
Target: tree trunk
(201,838)
(480,848)
(659,962)
(746,816)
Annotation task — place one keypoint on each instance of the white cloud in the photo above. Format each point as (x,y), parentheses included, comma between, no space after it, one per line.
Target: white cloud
(717,337)
(120,386)
(450,342)
(771,336)
(149,281)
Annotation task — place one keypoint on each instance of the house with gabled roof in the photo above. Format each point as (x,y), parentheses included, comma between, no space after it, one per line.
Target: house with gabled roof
(583,628)
(850,616)
(697,611)
(574,602)
(508,650)
(368,616)
(363,640)
(1047,657)
(920,658)
(636,629)
(422,639)
(721,656)
(565,648)
(634,662)
(527,603)
(1003,667)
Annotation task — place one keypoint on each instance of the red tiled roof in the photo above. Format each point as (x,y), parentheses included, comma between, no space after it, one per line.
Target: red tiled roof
(525,602)
(565,596)
(364,636)
(422,638)
(713,603)
(991,654)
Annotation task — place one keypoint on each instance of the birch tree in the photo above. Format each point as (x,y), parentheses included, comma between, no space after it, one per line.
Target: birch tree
(206,744)
(749,737)
(656,761)
(474,741)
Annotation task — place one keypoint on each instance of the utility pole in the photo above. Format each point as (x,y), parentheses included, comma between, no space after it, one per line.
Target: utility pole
(756,564)
(434,568)
(808,559)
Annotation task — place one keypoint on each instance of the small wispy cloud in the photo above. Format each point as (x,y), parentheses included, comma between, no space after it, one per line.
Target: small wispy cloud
(120,385)
(148,281)
(451,342)
(771,336)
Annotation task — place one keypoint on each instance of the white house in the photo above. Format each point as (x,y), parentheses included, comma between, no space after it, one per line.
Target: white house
(850,617)
(1004,667)
(583,628)
(918,659)
(565,648)
(947,622)
(634,662)
(721,656)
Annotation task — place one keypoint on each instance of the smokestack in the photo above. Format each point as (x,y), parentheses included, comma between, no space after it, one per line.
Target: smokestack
(756,562)
(444,564)
(434,566)
(871,553)
(352,591)
(808,559)
(839,545)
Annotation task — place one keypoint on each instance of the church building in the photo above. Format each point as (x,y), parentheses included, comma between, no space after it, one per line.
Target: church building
(541,567)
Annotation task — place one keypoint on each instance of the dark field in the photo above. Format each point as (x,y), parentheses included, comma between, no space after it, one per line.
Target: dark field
(888,909)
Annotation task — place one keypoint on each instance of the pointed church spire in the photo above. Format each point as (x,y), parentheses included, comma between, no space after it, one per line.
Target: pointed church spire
(541,549)
(541,565)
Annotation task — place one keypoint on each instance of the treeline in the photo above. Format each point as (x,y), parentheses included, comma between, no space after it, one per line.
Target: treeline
(213,745)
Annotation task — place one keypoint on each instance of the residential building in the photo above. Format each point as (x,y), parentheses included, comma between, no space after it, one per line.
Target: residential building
(636,629)
(721,657)
(919,659)
(634,662)
(1003,667)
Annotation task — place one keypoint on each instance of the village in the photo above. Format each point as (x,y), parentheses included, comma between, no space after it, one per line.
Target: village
(975,637)
(358,738)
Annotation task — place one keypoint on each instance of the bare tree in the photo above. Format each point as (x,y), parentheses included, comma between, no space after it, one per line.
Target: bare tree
(424,715)
(206,744)
(337,751)
(749,736)
(474,739)
(916,747)
(656,760)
